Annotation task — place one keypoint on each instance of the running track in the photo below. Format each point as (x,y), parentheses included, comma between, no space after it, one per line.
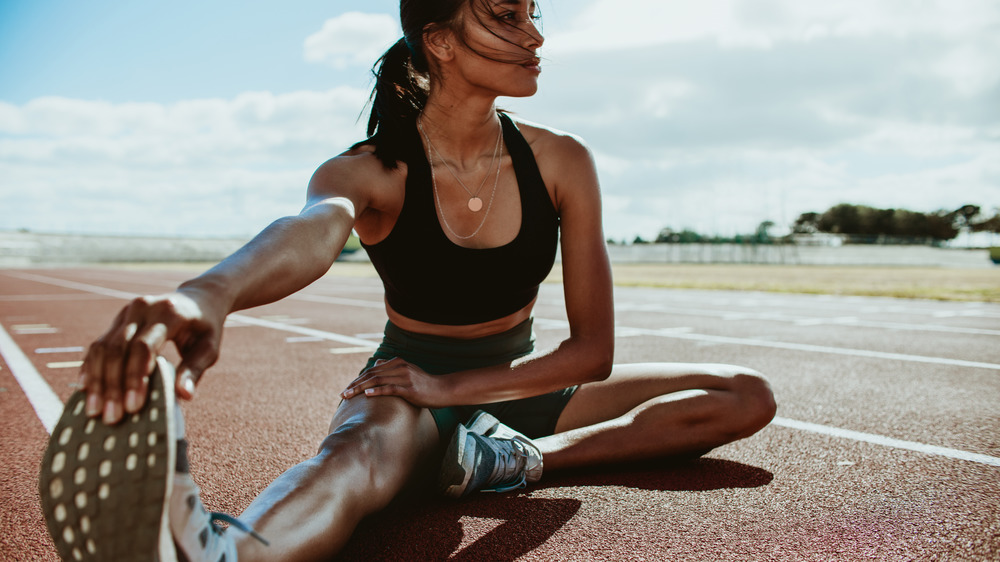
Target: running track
(886,446)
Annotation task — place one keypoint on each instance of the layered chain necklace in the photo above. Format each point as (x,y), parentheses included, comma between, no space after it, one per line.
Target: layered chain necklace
(475,203)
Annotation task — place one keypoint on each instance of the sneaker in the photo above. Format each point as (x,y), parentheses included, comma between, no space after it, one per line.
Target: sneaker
(117,492)
(195,533)
(486,455)
(105,489)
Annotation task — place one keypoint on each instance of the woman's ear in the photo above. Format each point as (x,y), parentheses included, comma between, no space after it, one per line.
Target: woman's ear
(439,43)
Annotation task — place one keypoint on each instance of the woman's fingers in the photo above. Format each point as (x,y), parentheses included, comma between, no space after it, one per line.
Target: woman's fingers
(376,375)
(143,347)
(198,353)
(116,369)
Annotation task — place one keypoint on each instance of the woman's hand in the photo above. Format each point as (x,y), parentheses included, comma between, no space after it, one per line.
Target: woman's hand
(115,372)
(395,377)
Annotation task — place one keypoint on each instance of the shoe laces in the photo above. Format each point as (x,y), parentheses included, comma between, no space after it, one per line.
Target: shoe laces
(234,522)
(509,466)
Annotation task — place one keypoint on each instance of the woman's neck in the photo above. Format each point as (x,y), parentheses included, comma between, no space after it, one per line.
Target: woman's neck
(462,130)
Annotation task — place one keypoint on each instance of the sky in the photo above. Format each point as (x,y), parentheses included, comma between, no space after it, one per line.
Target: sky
(194,118)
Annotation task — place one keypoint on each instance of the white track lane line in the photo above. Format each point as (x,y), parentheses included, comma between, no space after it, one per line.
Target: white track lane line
(47,405)
(784,422)
(885,441)
(670,333)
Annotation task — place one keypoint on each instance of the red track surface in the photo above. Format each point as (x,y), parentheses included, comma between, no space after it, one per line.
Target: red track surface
(899,376)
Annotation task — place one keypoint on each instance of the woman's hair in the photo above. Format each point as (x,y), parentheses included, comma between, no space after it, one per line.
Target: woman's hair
(402,74)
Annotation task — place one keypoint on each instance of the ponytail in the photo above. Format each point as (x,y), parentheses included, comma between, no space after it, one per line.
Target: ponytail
(397,99)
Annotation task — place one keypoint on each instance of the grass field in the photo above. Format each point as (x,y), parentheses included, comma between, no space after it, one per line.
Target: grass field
(937,283)
(903,282)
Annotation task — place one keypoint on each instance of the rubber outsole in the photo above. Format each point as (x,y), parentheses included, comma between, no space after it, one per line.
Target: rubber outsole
(460,456)
(104,489)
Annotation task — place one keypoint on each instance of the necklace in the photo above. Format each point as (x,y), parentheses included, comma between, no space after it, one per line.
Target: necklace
(437,197)
(475,204)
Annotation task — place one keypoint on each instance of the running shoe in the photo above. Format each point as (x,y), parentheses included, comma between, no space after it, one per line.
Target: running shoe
(105,489)
(486,455)
(123,492)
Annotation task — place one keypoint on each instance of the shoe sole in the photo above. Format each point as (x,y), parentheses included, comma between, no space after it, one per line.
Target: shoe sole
(105,489)
(454,478)
(460,456)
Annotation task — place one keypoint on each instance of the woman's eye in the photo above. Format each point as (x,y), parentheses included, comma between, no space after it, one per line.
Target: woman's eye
(516,17)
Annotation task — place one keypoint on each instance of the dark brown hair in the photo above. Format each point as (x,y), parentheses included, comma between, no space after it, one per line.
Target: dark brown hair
(402,74)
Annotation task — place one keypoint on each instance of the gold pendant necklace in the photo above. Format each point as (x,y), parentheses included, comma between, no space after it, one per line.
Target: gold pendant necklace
(475,203)
(478,206)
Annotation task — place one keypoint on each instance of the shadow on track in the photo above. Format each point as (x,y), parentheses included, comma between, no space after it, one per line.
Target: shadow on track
(697,475)
(437,530)
(506,527)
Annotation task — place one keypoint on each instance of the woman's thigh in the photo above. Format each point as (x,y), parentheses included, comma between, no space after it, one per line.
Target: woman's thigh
(630,385)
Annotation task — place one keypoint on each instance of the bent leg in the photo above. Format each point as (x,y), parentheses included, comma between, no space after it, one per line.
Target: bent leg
(654,410)
(374,448)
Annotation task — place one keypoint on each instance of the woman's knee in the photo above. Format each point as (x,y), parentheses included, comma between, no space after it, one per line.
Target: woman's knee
(756,400)
(384,439)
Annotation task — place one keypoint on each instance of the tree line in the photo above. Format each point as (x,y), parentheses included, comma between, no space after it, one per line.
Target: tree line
(860,224)
(864,224)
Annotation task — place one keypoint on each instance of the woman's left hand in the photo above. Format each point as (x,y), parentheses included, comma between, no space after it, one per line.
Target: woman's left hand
(396,377)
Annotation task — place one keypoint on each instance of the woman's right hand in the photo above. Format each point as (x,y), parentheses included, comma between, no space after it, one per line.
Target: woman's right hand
(116,370)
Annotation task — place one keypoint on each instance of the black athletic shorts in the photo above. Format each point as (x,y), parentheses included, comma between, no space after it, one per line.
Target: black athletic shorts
(438,355)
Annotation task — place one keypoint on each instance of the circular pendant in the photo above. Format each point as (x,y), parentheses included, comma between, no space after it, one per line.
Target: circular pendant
(475,204)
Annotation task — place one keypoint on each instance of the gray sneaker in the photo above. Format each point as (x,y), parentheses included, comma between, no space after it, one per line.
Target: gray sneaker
(486,455)
(196,536)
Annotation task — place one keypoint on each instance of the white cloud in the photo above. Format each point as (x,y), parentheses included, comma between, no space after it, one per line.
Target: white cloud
(353,38)
(623,24)
(199,167)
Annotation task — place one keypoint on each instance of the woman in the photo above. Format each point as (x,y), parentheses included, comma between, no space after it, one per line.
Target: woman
(460,208)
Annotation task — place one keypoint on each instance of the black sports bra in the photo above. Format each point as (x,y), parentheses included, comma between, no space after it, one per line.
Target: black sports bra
(429,278)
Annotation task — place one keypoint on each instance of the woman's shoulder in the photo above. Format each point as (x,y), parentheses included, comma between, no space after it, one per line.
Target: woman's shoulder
(358,162)
(354,169)
(551,145)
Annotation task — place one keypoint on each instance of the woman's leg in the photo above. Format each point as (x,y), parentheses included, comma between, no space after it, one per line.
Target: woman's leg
(654,410)
(375,446)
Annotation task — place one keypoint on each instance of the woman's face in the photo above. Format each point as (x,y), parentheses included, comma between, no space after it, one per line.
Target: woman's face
(501,42)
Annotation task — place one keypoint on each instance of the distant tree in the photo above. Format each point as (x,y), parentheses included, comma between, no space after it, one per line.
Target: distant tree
(763,235)
(840,219)
(639,240)
(807,223)
(877,222)
(686,236)
(966,215)
(666,235)
(868,224)
(942,225)
(991,224)
(908,223)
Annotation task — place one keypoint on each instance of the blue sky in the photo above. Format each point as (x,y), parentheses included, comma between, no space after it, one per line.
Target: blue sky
(162,51)
(207,118)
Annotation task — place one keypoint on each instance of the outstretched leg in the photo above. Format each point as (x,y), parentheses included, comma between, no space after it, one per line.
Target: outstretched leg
(654,410)
(375,447)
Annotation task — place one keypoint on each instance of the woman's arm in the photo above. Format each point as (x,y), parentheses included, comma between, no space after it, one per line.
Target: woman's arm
(286,256)
(585,356)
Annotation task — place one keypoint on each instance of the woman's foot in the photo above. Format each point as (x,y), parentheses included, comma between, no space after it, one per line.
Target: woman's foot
(105,489)
(486,455)
(123,492)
